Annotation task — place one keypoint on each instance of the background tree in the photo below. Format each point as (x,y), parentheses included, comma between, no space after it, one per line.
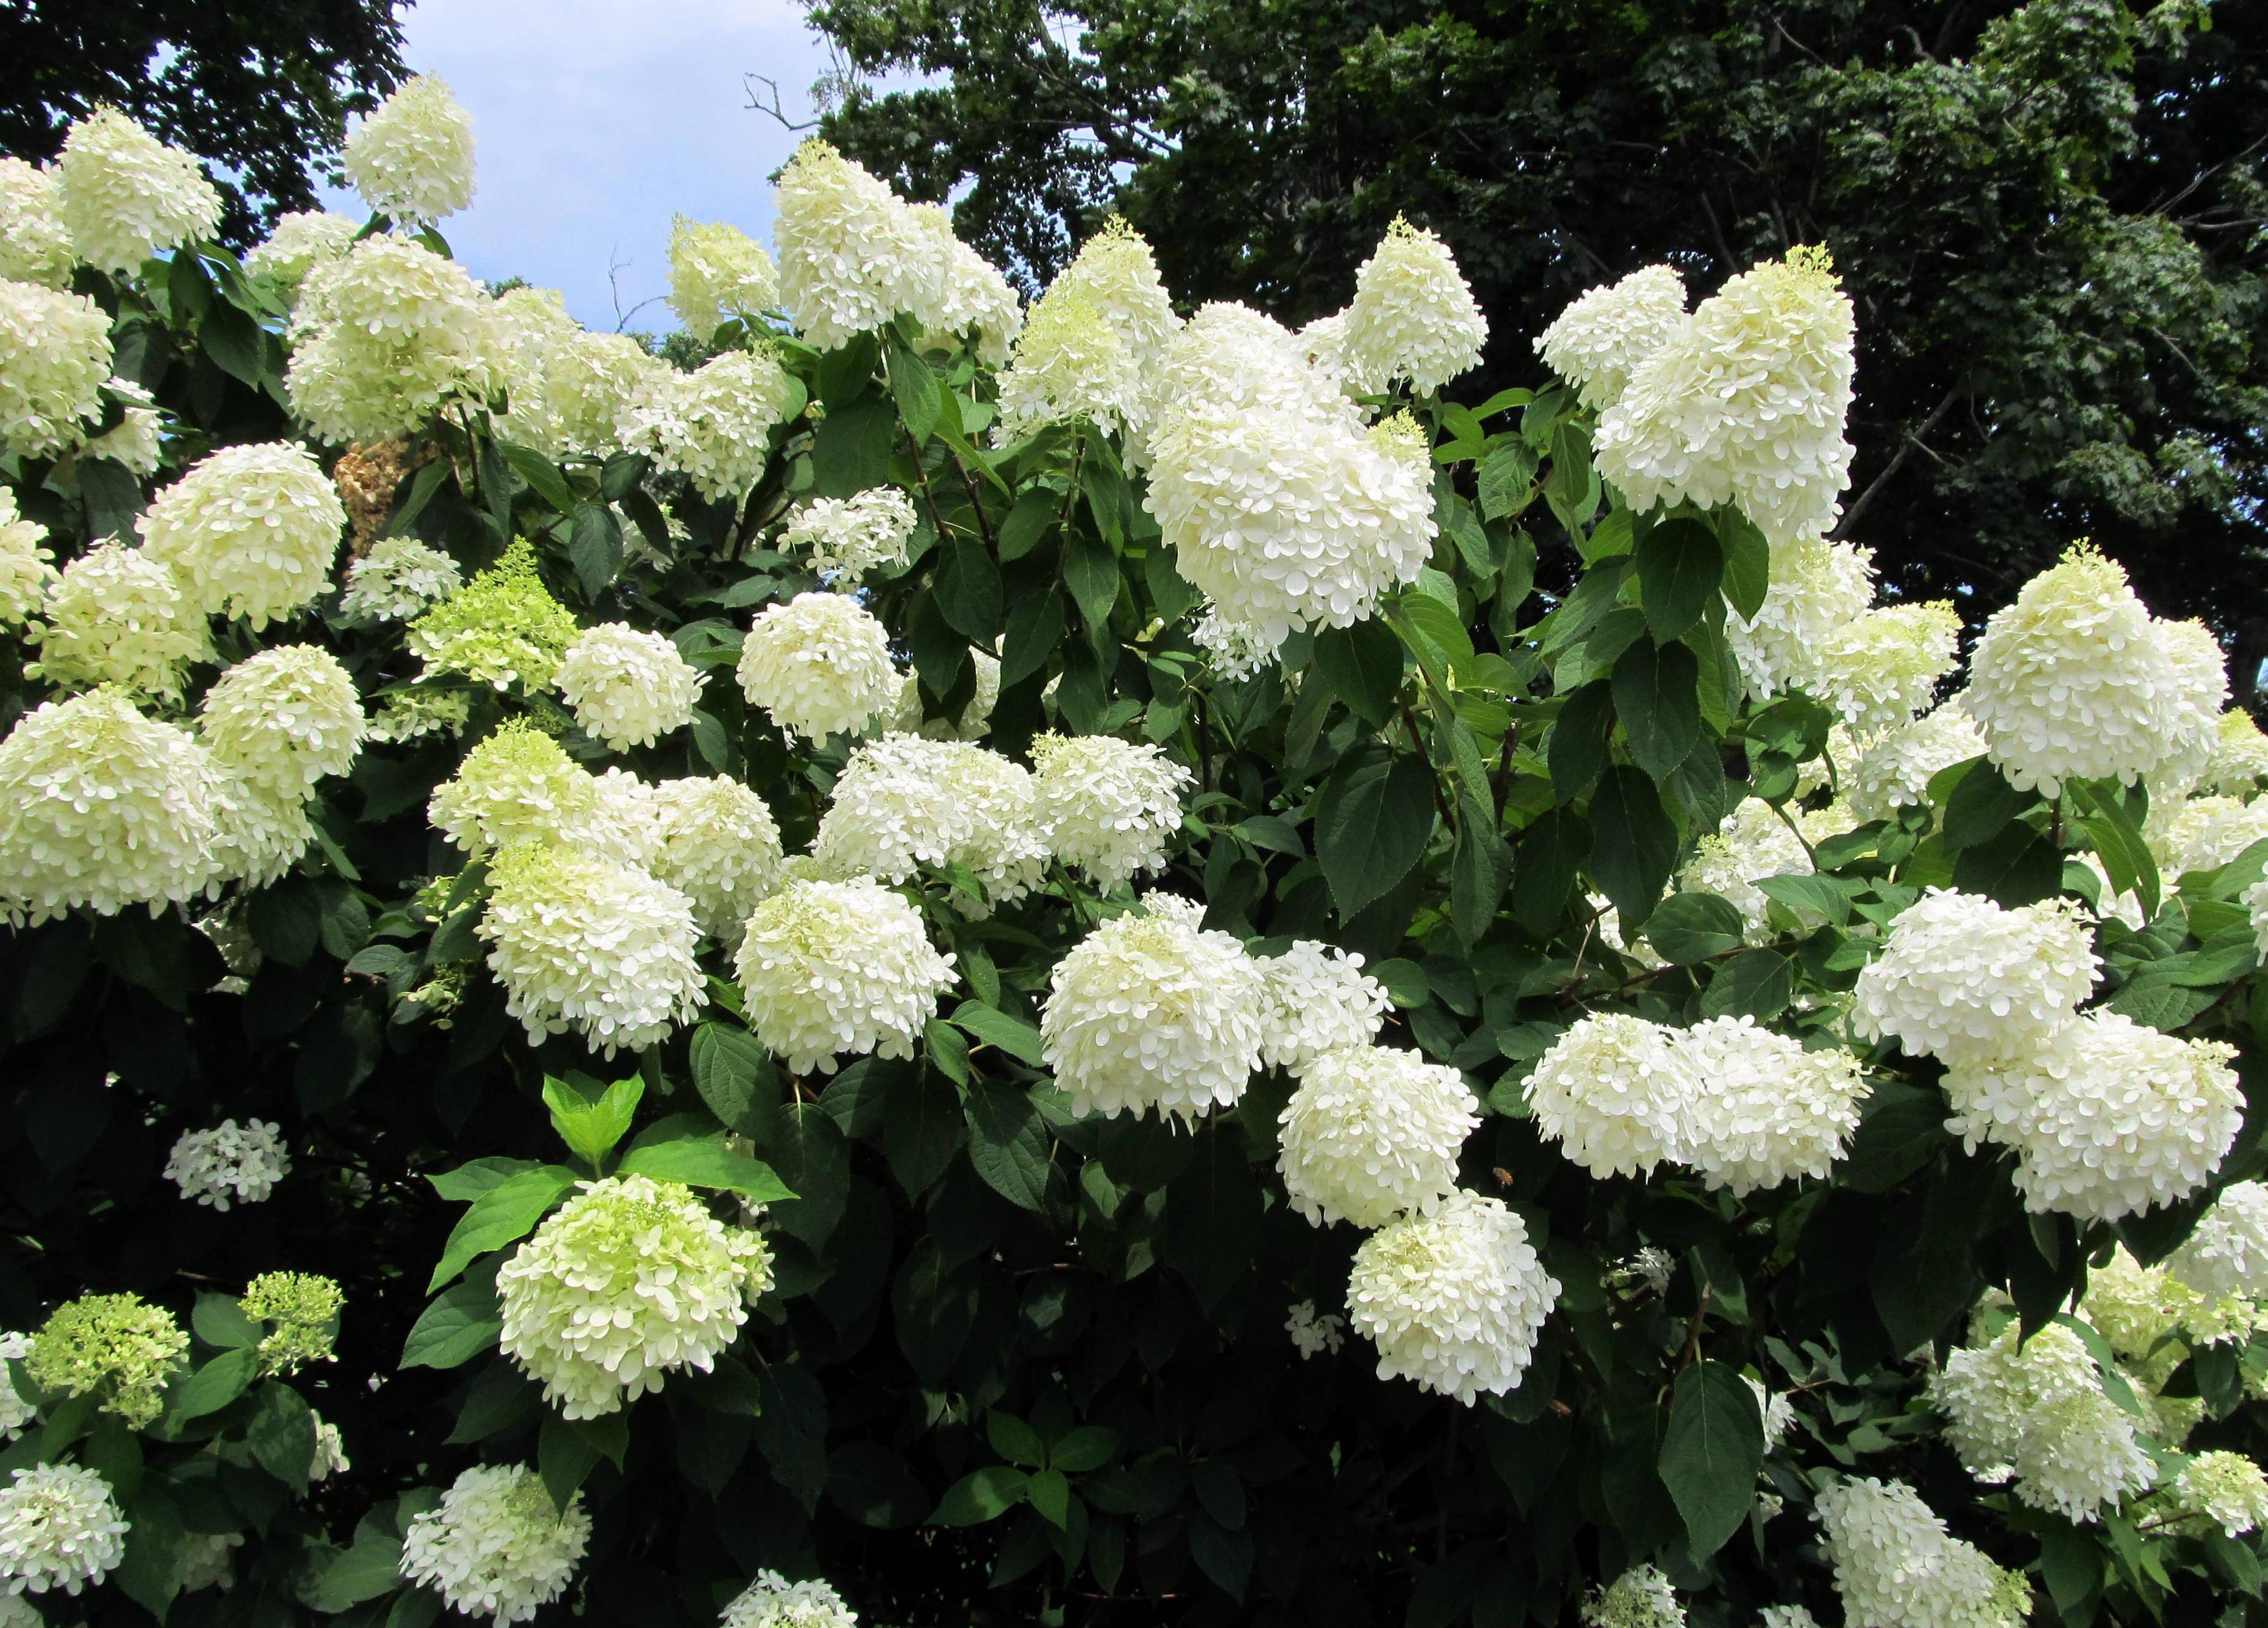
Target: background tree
(260,92)
(2049,215)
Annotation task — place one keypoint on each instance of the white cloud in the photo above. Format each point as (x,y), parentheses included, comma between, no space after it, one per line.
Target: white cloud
(598,120)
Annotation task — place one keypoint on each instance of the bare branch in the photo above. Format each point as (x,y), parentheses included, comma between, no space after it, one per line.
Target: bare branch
(615,270)
(771,109)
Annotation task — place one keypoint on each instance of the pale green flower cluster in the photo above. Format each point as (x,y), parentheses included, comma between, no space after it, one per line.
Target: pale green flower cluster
(716,273)
(497,1546)
(502,628)
(772,1602)
(719,846)
(384,336)
(250,531)
(55,354)
(836,969)
(35,245)
(713,424)
(26,565)
(397,580)
(304,1308)
(631,1279)
(125,196)
(302,241)
(117,1346)
(1639,1598)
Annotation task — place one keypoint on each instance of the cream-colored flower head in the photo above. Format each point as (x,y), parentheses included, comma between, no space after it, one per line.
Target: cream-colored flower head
(1413,316)
(1068,366)
(1767,1110)
(27,570)
(628,687)
(302,241)
(1108,806)
(1600,340)
(35,245)
(126,195)
(717,272)
(412,158)
(836,969)
(820,664)
(285,719)
(54,355)
(251,531)
(850,254)
(1618,1093)
(1373,1132)
(497,1546)
(719,847)
(713,424)
(1454,1299)
(385,335)
(1963,977)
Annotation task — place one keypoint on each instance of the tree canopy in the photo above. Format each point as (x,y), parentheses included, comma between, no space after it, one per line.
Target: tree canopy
(261,93)
(2049,216)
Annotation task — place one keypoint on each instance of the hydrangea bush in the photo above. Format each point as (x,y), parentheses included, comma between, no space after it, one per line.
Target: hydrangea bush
(1119,964)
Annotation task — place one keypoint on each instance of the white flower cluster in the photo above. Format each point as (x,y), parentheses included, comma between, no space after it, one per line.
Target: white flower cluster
(1745,1107)
(821,665)
(1234,649)
(497,1546)
(382,336)
(397,580)
(1068,366)
(719,845)
(117,616)
(1751,844)
(28,567)
(230,1164)
(35,245)
(2035,1411)
(412,158)
(1454,1299)
(2202,833)
(1962,976)
(16,1409)
(772,1602)
(583,943)
(830,968)
(125,196)
(2227,1252)
(713,424)
(302,241)
(844,538)
(54,355)
(717,273)
(1413,316)
(285,719)
(1313,1336)
(2224,1488)
(1598,342)
(905,801)
(1893,770)
(852,255)
(1897,1566)
(1108,806)
(1315,998)
(629,1279)
(627,687)
(1744,402)
(2240,755)
(60,1528)
(1372,1132)
(2078,681)
(1278,501)
(1641,1598)
(1151,1013)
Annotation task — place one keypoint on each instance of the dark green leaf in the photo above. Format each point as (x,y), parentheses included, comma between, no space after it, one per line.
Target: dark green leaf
(504,1214)
(806,1147)
(968,589)
(1372,824)
(981,1496)
(1554,847)
(2019,866)
(1657,697)
(1711,1453)
(235,343)
(707,1162)
(1633,845)
(1008,1144)
(1577,751)
(212,1387)
(1680,567)
(1747,561)
(1757,983)
(1091,573)
(995,1027)
(1688,927)
(734,1076)
(1363,665)
(459,1325)
(596,548)
(1982,804)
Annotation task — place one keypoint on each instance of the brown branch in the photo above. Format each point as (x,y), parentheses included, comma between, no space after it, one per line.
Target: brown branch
(1906,450)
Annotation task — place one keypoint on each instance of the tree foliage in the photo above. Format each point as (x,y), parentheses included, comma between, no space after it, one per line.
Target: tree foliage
(2049,215)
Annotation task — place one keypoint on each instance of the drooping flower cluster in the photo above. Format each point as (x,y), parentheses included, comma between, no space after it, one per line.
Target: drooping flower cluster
(35,245)
(16,1409)
(1818,588)
(713,424)
(497,1546)
(230,1164)
(125,196)
(1068,366)
(969,298)
(2078,681)
(1744,402)
(1278,501)
(628,687)
(718,845)
(251,531)
(844,538)
(102,806)
(1600,340)
(821,665)
(1108,806)
(502,628)
(412,158)
(1152,1013)
(2227,1252)
(2228,1489)
(772,1602)
(1962,976)
(629,1280)
(60,1528)
(1413,316)
(1989,1393)
(2202,833)
(1452,1299)
(832,969)
(1881,668)
(303,1310)
(54,355)
(1372,1132)
(116,1346)
(580,942)
(2079,1455)
(717,273)
(1315,998)
(1897,1566)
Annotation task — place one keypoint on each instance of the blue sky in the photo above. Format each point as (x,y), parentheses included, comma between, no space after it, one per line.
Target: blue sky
(597,119)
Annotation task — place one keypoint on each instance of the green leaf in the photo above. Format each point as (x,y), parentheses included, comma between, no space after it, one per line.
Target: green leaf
(806,1147)
(1435,624)
(981,1496)
(469,1181)
(707,1162)
(1757,983)
(1680,567)
(237,345)
(1711,1453)
(1035,628)
(914,388)
(2126,858)
(1372,824)
(595,547)
(502,1215)
(1090,1446)
(1213,1212)
(734,1075)
(1982,804)
(1901,1127)
(1027,523)
(541,473)
(219,1320)
(1747,561)
(1479,870)
(1050,1494)
(1363,665)
(1090,571)
(212,1387)
(1552,849)
(996,1029)
(1657,697)
(1688,927)
(1008,1144)
(922,1128)
(1633,845)
(1014,1440)
(459,1325)
(1506,479)
(2019,866)
(968,590)
(1577,751)
(281,1433)
(592,1129)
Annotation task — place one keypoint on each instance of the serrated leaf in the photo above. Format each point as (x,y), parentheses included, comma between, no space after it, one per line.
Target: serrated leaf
(502,1215)
(1692,926)
(1711,1453)
(1363,665)
(1657,697)
(1008,1143)
(707,1162)
(1372,824)
(460,1324)
(1680,568)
